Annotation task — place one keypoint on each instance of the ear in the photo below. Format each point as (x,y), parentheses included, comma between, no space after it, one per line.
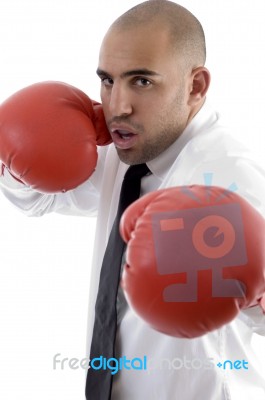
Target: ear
(200,82)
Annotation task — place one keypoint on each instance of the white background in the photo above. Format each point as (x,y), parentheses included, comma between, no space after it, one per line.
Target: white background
(44,262)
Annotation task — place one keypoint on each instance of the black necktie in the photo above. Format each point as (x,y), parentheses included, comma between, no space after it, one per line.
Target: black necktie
(99,382)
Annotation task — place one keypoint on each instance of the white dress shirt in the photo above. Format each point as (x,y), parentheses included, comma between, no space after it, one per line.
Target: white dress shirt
(183,369)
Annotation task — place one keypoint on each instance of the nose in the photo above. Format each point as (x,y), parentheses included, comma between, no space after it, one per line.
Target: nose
(120,103)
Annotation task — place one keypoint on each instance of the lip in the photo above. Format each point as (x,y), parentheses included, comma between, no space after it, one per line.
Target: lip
(123,136)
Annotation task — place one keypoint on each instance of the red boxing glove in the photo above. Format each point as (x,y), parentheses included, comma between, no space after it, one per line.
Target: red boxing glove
(195,257)
(48,136)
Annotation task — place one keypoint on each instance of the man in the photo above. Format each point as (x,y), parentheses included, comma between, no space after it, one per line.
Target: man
(153,91)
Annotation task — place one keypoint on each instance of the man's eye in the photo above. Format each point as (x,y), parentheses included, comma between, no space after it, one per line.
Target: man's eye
(107,81)
(142,82)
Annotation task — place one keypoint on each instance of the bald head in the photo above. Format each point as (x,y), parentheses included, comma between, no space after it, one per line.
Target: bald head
(185,31)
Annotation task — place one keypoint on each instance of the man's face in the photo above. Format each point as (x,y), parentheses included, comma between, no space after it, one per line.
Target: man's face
(144,92)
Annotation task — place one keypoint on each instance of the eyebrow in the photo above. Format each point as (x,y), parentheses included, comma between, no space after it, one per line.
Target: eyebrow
(133,72)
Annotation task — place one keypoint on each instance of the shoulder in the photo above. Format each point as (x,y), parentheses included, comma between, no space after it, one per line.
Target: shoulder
(215,157)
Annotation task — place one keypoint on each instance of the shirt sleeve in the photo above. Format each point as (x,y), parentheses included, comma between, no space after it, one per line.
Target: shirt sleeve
(82,200)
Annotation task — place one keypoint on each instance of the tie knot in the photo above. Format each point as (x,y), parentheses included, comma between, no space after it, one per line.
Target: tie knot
(136,171)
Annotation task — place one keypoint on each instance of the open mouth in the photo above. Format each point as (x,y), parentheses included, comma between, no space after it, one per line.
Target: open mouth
(124,134)
(123,139)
